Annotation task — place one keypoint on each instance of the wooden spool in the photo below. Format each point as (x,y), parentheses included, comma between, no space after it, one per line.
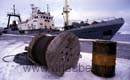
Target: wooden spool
(57,53)
(37,48)
(104,58)
(63,53)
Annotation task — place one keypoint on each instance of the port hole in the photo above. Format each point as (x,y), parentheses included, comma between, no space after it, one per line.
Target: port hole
(61,52)
(66,53)
(66,47)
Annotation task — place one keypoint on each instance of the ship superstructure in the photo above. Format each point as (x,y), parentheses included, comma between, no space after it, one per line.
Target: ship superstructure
(37,20)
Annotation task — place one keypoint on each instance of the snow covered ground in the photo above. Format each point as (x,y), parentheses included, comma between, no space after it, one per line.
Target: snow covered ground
(11,45)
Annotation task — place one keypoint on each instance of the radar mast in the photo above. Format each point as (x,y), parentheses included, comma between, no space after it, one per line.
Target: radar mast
(66,11)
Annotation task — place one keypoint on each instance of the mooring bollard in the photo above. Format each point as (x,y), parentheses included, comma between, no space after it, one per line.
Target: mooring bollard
(58,53)
(104,58)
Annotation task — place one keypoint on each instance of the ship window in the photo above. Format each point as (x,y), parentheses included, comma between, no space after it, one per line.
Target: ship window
(46,17)
(107,33)
(45,27)
(34,26)
(48,21)
(43,16)
(41,24)
(36,17)
(34,20)
(45,20)
(52,24)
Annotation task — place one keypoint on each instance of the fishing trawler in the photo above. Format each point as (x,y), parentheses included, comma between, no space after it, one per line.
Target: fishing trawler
(37,22)
(43,22)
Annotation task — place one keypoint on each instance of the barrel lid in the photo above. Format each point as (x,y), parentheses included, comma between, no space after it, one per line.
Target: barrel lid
(104,41)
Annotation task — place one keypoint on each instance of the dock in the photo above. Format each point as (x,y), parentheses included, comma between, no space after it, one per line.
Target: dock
(14,44)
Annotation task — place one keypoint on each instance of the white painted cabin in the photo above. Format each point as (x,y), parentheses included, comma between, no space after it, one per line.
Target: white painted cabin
(37,20)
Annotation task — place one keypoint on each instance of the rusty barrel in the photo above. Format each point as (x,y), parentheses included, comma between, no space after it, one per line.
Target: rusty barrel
(104,58)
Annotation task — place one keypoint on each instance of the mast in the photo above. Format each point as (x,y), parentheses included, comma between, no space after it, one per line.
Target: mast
(48,8)
(32,7)
(14,9)
(66,11)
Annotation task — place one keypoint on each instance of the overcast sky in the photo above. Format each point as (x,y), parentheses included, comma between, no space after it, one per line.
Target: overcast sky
(81,9)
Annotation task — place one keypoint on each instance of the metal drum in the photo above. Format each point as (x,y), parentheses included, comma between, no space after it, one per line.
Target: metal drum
(104,58)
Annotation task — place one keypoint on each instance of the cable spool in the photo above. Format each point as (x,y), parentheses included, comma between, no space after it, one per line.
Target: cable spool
(104,58)
(37,48)
(63,52)
(58,53)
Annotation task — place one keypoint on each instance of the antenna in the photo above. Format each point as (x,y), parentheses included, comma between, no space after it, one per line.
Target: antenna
(32,6)
(14,9)
(48,8)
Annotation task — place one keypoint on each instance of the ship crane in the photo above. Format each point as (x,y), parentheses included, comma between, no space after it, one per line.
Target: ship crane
(66,11)
(13,15)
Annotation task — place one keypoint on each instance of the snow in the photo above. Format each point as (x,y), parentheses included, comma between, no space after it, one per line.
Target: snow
(13,71)
(125,32)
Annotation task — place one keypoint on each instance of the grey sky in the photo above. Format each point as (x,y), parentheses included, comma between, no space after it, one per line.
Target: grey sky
(81,9)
